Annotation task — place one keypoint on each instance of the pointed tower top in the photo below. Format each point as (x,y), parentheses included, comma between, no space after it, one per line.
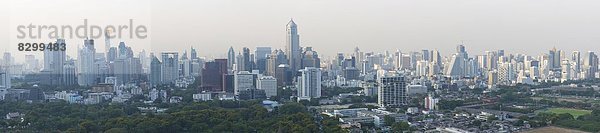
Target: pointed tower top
(291,23)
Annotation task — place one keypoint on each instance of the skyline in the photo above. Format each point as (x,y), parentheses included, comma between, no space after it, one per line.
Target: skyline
(331,27)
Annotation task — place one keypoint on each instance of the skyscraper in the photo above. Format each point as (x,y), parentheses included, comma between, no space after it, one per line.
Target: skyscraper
(248,64)
(565,71)
(212,75)
(230,59)
(260,57)
(185,70)
(107,44)
(4,79)
(392,91)
(155,70)
(311,58)
(87,68)
(292,48)
(53,65)
(193,53)
(591,65)
(170,67)
(309,83)
(273,61)
(69,73)
(576,59)
(554,60)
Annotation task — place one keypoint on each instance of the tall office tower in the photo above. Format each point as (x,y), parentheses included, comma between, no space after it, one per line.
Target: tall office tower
(53,65)
(32,64)
(213,75)
(472,69)
(8,60)
(283,74)
(348,63)
(392,90)
(104,69)
(492,60)
(338,60)
(436,59)
(108,34)
(5,82)
(124,51)
(414,57)
(70,73)
(144,61)
(112,54)
(544,66)
(433,69)
(185,70)
(311,58)
(293,46)
(155,70)
(309,83)
(554,58)
(260,57)
(456,66)
(248,64)
(576,61)
(127,70)
(397,59)
(193,53)
(425,53)
(170,67)
(359,58)
(243,80)
(591,65)
(460,49)
(231,58)
(274,60)
(87,68)
(269,84)
(565,71)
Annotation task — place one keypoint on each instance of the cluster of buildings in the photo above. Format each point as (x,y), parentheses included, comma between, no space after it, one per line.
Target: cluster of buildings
(260,73)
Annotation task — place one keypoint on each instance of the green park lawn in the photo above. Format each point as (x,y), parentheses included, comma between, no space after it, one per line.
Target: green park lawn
(575,112)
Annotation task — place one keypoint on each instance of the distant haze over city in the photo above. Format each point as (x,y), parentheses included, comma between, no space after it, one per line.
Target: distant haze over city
(212,26)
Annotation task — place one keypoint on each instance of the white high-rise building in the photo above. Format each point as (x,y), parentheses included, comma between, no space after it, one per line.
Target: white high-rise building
(565,71)
(292,48)
(392,91)
(422,68)
(269,84)
(86,59)
(309,83)
(243,80)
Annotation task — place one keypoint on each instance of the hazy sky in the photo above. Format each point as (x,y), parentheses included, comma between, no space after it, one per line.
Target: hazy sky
(329,26)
